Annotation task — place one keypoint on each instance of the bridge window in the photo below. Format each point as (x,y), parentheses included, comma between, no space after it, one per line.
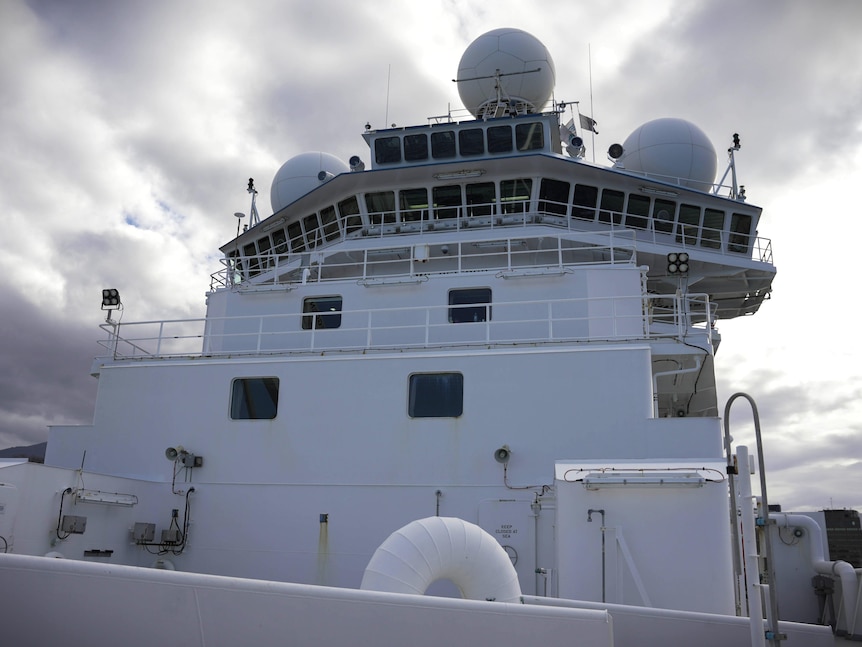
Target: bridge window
(447,200)
(321,312)
(740,237)
(349,211)
(554,196)
(381,207)
(254,398)
(279,241)
(500,139)
(612,206)
(662,215)
(584,202)
(469,305)
(387,150)
(330,223)
(713,223)
(413,204)
(294,234)
(471,142)
(515,195)
(415,147)
(443,144)
(637,212)
(312,230)
(529,137)
(481,198)
(436,395)
(689,222)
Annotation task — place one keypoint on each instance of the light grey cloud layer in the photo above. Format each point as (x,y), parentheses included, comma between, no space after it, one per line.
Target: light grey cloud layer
(129,130)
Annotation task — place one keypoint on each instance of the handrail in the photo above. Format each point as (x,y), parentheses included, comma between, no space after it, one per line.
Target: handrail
(609,319)
(514,214)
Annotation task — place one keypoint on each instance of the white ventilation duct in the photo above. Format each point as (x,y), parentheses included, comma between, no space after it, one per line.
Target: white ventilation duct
(440,548)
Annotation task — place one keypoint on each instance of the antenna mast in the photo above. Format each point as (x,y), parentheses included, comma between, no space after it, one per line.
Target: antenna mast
(253,217)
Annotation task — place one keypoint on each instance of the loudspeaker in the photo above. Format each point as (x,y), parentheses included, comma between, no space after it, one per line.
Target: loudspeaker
(502,454)
(171,453)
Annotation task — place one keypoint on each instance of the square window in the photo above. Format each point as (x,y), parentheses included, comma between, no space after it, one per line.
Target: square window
(436,395)
(329,309)
(462,308)
(254,398)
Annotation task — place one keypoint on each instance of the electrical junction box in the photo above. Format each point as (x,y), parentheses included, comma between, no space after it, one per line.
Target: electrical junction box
(170,536)
(143,532)
(73,524)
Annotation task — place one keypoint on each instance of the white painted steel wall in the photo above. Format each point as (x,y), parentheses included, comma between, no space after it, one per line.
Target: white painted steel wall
(665,546)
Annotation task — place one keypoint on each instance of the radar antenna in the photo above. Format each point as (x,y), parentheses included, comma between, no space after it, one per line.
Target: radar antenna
(736,192)
(503,105)
(253,217)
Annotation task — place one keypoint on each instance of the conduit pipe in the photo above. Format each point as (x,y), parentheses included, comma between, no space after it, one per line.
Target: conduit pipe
(843,570)
(439,548)
(679,371)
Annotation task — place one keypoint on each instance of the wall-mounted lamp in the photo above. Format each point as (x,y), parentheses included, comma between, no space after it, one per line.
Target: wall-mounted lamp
(677,263)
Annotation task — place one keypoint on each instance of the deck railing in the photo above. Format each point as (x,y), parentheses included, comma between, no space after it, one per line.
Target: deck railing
(611,319)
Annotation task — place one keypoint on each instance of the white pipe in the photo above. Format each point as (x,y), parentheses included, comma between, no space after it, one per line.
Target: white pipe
(749,549)
(845,572)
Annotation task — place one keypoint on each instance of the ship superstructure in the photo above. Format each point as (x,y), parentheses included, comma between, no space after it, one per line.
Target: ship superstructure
(477,323)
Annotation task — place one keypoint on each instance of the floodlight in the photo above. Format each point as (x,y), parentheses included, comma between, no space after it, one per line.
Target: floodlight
(111,299)
(677,263)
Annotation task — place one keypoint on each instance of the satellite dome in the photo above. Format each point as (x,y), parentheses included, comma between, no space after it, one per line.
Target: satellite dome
(515,54)
(671,149)
(301,174)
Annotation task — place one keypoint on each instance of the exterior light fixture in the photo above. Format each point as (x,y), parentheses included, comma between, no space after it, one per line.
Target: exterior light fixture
(677,263)
(111,299)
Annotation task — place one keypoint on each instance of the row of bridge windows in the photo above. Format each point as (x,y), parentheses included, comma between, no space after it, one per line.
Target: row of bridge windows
(688,223)
(466,142)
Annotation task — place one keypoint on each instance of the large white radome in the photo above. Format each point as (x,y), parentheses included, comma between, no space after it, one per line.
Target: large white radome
(510,51)
(299,175)
(673,150)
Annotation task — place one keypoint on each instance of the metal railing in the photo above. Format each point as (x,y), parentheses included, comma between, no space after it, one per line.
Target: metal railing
(610,319)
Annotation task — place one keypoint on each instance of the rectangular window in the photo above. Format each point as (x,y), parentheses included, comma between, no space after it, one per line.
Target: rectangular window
(584,202)
(529,137)
(480,198)
(471,142)
(500,139)
(312,230)
(663,212)
(321,312)
(447,201)
(413,204)
(381,207)
(515,195)
(612,206)
(294,233)
(415,147)
(740,237)
(436,395)
(554,196)
(330,223)
(443,144)
(463,306)
(254,398)
(253,261)
(713,223)
(689,221)
(387,150)
(349,212)
(279,241)
(637,211)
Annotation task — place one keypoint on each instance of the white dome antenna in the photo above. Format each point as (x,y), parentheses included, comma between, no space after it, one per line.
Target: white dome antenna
(505,72)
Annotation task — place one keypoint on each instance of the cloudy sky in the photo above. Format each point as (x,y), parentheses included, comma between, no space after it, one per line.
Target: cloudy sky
(128,130)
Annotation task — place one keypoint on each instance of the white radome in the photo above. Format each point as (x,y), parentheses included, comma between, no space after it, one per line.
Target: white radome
(673,150)
(512,51)
(300,174)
